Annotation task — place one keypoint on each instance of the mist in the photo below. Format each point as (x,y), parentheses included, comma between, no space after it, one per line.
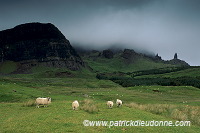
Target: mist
(157,26)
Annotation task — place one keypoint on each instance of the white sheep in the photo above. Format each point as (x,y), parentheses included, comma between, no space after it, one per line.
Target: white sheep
(75,105)
(119,102)
(43,101)
(109,104)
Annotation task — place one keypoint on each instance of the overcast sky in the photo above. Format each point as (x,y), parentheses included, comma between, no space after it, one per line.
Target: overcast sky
(159,26)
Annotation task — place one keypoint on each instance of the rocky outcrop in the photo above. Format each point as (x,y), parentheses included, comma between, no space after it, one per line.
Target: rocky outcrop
(175,56)
(177,61)
(108,54)
(43,43)
(156,58)
(130,55)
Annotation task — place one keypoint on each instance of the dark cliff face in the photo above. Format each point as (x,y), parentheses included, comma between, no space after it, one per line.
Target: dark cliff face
(108,54)
(43,42)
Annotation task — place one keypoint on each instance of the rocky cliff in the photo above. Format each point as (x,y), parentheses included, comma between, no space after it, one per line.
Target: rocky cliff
(38,43)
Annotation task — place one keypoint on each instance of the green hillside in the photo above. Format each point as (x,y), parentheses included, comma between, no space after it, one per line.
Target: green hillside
(18,92)
(101,64)
(18,112)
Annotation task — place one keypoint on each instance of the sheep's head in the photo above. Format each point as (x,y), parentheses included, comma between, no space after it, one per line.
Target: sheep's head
(49,99)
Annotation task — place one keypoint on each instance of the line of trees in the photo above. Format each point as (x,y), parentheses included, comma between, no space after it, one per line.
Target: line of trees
(157,71)
(128,80)
(181,81)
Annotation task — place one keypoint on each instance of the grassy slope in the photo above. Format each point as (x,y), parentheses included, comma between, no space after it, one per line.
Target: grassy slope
(59,117)
(8,67)
(118,64)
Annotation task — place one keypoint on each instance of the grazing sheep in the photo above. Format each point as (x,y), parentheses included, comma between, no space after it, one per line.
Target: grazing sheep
(43,101)
(110,104)
(119,102)
(75,105)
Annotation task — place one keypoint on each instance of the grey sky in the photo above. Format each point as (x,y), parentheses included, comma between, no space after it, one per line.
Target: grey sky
(159,26)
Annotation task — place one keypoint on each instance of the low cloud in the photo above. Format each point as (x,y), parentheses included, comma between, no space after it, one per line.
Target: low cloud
(159,26)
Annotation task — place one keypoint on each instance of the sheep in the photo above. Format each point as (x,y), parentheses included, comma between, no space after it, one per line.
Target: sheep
(119,102)
(109,104)
(42,101)
(75,105)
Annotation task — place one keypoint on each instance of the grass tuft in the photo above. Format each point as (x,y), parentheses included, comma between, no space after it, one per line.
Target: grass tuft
(89,106)
(181,113)
(29,103)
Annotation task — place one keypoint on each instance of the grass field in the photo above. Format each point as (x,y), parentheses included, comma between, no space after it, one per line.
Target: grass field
(180,103)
